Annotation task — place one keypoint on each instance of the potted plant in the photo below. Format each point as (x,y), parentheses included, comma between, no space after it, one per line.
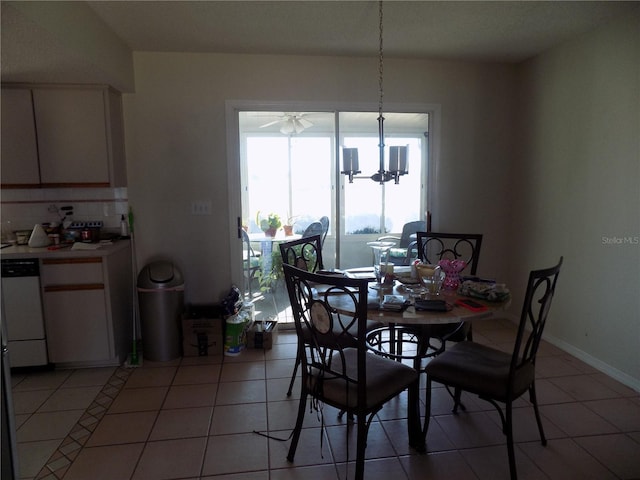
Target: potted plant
(288,227)
(269,225)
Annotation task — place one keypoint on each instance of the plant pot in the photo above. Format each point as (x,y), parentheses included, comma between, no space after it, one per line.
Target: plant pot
(288,230)
(271,232)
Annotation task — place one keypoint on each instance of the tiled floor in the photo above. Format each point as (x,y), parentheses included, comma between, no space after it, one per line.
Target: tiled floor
(195,418)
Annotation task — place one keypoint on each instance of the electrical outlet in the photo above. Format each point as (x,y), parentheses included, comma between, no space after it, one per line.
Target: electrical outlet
(201,207)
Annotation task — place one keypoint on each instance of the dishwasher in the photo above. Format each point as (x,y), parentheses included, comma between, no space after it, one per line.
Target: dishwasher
(22,312)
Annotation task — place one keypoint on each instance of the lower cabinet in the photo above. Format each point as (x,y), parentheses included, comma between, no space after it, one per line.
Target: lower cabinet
(78,324)
(88,309)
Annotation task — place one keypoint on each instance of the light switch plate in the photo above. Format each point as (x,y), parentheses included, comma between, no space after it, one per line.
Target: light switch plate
(201,207)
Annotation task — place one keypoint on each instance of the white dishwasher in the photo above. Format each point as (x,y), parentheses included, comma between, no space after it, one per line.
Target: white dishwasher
(22,312)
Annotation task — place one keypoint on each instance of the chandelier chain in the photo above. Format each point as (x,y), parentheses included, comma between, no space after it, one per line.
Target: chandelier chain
(380,60)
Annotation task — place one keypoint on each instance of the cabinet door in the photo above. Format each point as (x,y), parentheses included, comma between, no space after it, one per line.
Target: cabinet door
(19,150)
(72,136)
(76,323)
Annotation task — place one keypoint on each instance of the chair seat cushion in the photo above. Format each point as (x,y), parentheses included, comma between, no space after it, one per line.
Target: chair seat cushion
(398,252)
(479,369)
(385,379)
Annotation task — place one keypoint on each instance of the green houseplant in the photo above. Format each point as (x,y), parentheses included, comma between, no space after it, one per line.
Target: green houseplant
(270,224)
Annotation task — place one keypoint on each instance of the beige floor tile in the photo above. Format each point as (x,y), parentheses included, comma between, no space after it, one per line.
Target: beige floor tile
(619,453)
(139,399)
(182,423)
(85,377)
(492,463)
(343,439)
(32,456)
(151,377)
(583,387)
(235,453)
(280,368)
(113,462)
(243,418)
(48,426)
(194,374)
(171,459)
(437,466)
(277,388)
(577,420)
(264,475)
(189,396)
(119,428)
(281,351)
(313,472)
(237,372)
(470,429)
(43,380)
(231,393)
(374,469)
(203,360)
(563,459)
(621,412)
(73,398)
(29,401)
(313,449)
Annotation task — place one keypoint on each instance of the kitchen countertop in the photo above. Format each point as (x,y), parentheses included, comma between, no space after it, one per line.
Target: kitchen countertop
(24,251)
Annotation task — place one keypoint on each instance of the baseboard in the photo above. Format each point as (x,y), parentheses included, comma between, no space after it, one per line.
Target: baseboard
(605,368)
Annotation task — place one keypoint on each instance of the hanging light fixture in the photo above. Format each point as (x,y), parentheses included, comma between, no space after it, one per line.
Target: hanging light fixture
(398,158)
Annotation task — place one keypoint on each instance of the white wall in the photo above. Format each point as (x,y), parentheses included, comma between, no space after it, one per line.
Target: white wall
(176,145)
(576,192)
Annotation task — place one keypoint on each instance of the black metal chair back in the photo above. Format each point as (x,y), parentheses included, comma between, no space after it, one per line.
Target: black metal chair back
(433,247)
(304,253)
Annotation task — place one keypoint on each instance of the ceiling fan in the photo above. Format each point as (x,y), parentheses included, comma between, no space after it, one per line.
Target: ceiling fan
(291,122)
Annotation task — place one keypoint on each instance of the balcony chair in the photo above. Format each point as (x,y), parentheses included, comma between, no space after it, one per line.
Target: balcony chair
(495,375)
(337,367)
(325,227)
(404,251)
(250,262)
(314,228)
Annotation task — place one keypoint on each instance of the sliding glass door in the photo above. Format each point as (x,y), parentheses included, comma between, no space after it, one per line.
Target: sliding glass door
(291,164)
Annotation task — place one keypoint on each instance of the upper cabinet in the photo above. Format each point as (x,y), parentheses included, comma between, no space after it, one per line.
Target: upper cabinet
(19,148)
(78,133)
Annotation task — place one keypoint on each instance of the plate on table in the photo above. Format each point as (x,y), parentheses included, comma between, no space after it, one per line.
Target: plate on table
(408,280)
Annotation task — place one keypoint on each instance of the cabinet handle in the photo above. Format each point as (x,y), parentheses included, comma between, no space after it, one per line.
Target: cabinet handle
(71,288)
(68,261)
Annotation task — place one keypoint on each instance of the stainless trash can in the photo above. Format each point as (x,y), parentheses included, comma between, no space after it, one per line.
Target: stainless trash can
(161,301)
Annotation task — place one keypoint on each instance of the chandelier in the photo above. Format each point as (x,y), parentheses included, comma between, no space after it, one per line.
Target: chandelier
(398,159)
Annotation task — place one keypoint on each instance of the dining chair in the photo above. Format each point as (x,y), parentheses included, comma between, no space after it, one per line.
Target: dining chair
(495,375)
(338,369)
(433,247)
(314,228)
(325,227)
(250,260)
(306,254)
(402,253)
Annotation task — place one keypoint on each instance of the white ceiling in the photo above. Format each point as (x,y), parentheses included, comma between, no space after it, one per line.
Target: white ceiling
(39,46)
(469,30)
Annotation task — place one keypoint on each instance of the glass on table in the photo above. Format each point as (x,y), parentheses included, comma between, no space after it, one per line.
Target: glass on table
(431,278)
(381,265)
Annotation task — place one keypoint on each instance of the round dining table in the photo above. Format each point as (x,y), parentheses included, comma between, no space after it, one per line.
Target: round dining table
(408,319)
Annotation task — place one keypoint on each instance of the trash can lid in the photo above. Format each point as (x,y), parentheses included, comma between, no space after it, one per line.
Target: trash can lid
(160,274)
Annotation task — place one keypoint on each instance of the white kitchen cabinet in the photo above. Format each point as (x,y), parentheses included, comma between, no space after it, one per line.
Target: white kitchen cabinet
(88,308)
(19,151)
(78,135)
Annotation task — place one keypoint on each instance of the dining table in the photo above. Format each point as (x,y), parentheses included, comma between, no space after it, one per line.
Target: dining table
(407,315)
(266,245)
